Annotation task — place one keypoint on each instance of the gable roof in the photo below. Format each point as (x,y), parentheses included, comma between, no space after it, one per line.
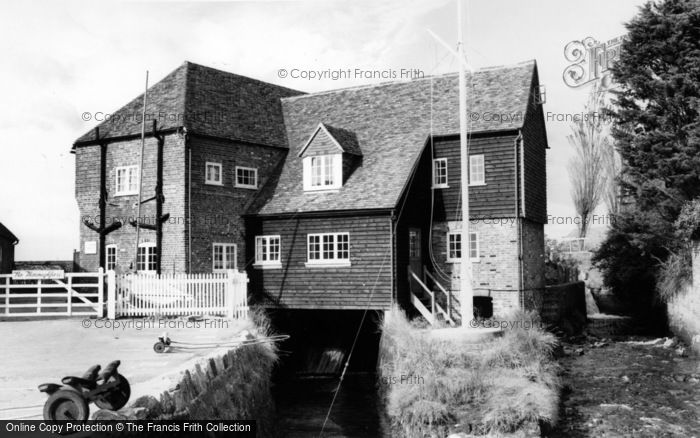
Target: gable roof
(392,123)
(206,101)
(345,140)
(4,232)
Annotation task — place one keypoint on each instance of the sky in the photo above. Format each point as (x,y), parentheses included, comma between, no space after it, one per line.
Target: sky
(62,59)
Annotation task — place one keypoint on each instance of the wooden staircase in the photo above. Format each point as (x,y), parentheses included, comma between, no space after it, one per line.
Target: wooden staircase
(434,303)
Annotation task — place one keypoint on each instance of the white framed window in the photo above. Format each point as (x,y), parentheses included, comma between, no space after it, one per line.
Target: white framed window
(454,246)
(146,257)
(223,257)
(126,180)
(323,172)
(267,250)
(213,174)
(328,249)
(440,173)
(246,177)
(110,257)
(477,175)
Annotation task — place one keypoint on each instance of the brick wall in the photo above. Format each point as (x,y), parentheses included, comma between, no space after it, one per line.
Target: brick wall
(533,255)
(563,305)
(125,153)
(217,210)
(496,272)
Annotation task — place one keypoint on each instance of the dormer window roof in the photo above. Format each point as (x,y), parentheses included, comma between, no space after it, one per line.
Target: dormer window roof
(325,155)
(328,140)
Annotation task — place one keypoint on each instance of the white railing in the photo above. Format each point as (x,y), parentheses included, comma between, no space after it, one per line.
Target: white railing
(430,314)
(72,294)
(222,294)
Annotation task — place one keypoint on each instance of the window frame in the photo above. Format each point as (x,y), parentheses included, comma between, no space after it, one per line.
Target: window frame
(324,261)
(107,262)
(456,232)
(446,183)
(482,168)
(335,167)
(212,182)
(266,242)
(126,191)
(147,262)
(255,178)
(224,246)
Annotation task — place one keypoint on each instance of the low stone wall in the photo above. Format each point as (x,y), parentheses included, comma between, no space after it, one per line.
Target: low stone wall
(562,305)
(225,386)
(684,317)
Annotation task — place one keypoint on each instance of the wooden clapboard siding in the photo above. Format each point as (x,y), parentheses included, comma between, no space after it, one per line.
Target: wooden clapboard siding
(497,197)
(535,146)
(296,286)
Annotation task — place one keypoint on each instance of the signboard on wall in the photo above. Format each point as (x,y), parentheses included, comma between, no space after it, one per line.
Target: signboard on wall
(90,247)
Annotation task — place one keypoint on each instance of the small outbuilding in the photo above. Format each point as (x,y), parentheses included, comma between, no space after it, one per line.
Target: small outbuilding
(7,249)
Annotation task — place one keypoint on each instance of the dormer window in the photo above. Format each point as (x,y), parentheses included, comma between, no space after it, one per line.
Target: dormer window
(323,172)
(329,157)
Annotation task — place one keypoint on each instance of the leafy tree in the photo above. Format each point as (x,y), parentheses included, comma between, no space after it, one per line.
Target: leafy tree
(657,134)
(587,168)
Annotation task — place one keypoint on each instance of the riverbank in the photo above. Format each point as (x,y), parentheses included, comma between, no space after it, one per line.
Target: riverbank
(508,385)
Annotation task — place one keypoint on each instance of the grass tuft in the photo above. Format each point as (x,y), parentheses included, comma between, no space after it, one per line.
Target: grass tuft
(511,384)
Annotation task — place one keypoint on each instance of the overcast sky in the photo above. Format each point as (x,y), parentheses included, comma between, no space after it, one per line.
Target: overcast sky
(61,59)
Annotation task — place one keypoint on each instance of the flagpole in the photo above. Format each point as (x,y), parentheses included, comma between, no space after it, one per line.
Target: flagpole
(466,298)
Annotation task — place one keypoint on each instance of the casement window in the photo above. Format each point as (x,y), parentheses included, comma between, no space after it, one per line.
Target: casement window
(223,257)
(440,173)
(267,250)
(477,175)
(454,246)
(110,257)
(146,257)
(246,177)
(323,172)
(329,249)
(127,180)
(214,174)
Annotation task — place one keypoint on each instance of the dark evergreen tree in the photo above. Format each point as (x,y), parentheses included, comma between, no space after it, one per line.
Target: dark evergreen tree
(657,132)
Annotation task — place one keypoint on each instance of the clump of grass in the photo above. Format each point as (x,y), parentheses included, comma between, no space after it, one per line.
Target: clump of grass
(511,384)
(675,274)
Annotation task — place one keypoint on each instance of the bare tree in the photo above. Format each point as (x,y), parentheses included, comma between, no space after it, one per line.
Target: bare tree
(587,168)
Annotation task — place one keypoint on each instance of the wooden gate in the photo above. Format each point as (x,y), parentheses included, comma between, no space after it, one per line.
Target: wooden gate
(52,293)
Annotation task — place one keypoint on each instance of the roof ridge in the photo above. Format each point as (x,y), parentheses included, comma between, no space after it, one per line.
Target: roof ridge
(425,78)
(191,64)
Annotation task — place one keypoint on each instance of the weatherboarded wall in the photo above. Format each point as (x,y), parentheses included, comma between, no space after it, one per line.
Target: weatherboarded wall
(296,285)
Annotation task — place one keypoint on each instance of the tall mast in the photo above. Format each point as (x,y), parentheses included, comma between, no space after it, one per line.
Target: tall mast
(466,298)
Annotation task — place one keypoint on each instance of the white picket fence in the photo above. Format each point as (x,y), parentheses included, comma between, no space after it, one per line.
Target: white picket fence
(70,294)
(224,294)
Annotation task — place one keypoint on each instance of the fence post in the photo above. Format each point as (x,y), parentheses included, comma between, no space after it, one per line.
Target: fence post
(100,292)
(230,293)
(111,295)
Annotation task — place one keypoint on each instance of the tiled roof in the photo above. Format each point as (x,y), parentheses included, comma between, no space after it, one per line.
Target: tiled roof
(346,139)
(392,123)
(209,102)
